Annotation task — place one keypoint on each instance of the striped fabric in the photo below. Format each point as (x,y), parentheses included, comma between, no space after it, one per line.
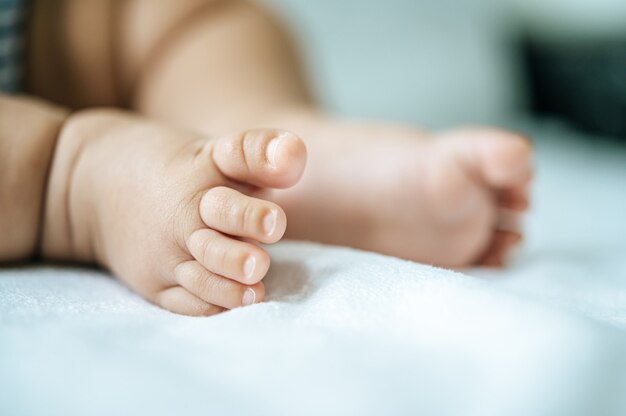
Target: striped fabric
(12,31)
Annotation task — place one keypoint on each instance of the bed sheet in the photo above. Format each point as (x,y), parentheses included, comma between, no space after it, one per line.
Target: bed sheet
(349,332)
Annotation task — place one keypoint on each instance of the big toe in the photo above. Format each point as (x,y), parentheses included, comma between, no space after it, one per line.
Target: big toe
(262,157)
(500,158)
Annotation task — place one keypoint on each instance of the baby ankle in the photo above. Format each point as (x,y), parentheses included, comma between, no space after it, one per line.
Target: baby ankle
(65,238)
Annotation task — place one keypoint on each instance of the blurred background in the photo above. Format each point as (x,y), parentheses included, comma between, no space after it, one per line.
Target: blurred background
(446,62)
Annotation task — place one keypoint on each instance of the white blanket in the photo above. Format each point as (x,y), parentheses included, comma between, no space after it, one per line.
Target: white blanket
(347,332)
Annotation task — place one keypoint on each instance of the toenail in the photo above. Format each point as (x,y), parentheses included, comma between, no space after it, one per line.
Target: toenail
(272,147)
(248,297)
(248,267)
(269,222)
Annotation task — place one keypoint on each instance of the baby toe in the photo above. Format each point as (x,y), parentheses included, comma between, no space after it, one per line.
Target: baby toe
(231,212)
(507,160)
(215,289)
(500,158)
(516,199)
(503,243)
(179,300)
(224,256)
(262,157)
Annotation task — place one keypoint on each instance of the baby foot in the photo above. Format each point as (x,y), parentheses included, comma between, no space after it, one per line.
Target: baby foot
(174,215)
(479,181)
(450,200)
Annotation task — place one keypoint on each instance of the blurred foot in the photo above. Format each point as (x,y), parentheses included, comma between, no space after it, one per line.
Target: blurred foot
(449,200)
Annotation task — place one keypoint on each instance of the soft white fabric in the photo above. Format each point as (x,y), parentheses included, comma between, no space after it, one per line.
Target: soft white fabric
(347,332)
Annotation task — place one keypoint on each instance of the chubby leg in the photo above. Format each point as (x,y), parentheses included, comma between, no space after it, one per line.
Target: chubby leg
(175,215)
